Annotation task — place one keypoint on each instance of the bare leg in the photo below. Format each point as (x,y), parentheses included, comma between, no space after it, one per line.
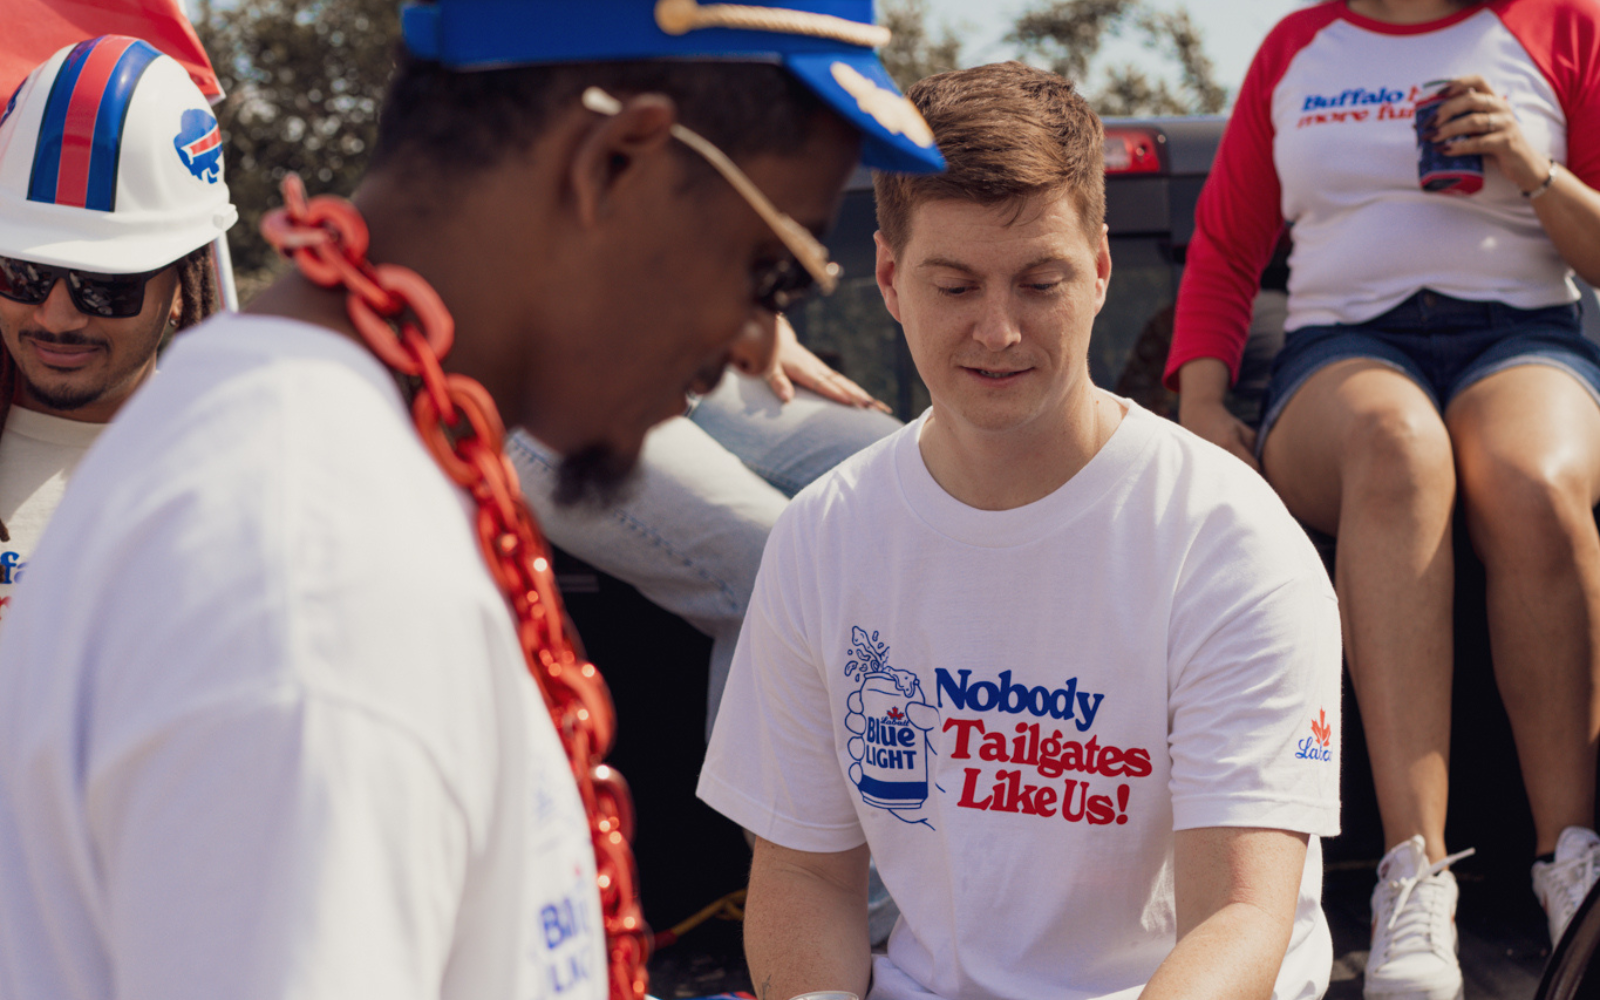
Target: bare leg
(1361,453)
(1527,444)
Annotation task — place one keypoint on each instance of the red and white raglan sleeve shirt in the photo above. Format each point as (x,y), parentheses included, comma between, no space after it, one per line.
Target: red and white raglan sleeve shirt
(1321,137)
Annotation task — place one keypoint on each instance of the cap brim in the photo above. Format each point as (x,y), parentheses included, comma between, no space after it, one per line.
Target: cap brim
(855,84)
(53,234)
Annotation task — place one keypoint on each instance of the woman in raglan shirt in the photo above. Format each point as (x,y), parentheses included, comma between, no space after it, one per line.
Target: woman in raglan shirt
(1433,346)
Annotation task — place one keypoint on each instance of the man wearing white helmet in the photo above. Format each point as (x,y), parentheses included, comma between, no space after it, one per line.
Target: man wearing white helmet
(110,193)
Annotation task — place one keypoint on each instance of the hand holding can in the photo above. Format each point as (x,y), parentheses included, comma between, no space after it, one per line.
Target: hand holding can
(1437,170)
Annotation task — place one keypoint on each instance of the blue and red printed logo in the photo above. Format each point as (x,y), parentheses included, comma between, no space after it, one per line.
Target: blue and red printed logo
(199,145)
(890,722)
(1319,745)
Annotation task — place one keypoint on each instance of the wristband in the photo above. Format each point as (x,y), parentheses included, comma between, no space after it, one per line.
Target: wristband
(1542,188)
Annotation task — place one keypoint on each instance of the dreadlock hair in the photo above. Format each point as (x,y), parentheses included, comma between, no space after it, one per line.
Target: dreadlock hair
(197,287)
(197,295)
(8,391)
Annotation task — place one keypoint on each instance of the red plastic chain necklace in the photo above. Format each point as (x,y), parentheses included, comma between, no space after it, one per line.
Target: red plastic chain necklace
(407,326)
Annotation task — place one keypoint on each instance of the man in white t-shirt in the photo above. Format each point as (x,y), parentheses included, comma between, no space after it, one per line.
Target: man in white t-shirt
(104,247)
(1068,673)
(267,729)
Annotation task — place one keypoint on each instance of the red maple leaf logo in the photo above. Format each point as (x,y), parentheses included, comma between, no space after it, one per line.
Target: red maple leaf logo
(895,713)
(1320,728)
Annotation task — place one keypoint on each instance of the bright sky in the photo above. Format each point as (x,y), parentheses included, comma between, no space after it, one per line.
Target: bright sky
(1231,29)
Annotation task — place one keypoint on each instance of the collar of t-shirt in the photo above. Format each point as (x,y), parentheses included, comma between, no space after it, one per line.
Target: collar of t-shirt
(1107,473)
(58,431)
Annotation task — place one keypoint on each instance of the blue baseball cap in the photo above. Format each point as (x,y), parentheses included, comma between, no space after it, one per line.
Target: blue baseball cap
(828,44)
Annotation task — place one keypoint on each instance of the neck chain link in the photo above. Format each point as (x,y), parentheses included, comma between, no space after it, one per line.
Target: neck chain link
(405,323)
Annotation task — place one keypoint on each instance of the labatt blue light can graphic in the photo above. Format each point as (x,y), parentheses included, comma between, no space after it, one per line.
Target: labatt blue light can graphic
(895,765)
(889,719)
(1438,171)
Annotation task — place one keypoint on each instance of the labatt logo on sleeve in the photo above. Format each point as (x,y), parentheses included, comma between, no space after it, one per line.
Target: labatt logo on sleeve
(1022,767)
(889,719)
(1319,745)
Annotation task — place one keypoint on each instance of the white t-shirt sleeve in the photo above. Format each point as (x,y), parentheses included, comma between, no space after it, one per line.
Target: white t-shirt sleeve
(272,793)
(1253,708)
(303,848)
(773,763)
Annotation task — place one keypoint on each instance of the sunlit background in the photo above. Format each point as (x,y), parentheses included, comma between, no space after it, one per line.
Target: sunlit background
(1231,30)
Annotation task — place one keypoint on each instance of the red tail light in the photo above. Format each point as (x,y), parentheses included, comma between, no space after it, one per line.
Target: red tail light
(1132,151)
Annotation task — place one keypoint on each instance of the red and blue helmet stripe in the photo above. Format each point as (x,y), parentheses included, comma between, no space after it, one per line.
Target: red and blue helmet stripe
(80,138)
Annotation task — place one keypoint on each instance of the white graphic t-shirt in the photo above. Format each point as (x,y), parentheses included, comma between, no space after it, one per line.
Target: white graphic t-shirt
(265,728)
(37,455)
(1016,709)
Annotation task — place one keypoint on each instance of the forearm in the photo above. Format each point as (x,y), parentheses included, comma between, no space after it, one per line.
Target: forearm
(805,929)
(1203,381)
(1234,955)
(1202,408)
(1570,213)
(1236,890)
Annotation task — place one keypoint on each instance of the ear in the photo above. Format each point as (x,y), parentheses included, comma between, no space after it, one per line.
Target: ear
(610,152)
(176,312)
(1102,269)
(886,269)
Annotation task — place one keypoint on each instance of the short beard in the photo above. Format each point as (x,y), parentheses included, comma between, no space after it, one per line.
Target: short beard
(594,476)
(64,401)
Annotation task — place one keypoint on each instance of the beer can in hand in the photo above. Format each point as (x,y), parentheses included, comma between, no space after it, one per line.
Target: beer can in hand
(1436,170)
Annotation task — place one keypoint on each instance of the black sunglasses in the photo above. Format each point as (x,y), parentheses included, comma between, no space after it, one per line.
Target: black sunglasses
(108,296)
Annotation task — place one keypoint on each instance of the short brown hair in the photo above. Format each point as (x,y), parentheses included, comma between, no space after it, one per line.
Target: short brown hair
(1008,132)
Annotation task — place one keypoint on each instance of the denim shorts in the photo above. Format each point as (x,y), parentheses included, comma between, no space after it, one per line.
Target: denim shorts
(1441,343)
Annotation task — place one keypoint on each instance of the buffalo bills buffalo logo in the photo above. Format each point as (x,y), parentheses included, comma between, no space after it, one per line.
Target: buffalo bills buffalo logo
(199,145)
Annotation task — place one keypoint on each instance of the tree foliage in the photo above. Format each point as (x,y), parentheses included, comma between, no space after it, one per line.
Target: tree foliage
(1068,35)
(913,53)
(304,82)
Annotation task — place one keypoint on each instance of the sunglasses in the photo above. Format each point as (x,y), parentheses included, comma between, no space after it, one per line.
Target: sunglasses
(108,296)
(778,284)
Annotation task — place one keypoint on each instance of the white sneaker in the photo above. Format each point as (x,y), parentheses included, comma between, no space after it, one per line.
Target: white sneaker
(1413,953)
(1562,884)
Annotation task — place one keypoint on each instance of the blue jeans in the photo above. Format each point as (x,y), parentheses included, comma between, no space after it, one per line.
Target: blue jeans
(709,486)
(1442,344)
(690,533)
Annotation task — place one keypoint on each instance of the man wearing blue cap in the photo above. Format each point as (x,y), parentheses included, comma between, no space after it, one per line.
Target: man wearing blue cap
(268,731)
